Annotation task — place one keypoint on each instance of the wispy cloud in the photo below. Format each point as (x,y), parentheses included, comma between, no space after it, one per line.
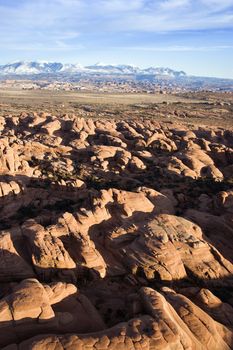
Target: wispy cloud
(178,48)
(117,15)
(174,4)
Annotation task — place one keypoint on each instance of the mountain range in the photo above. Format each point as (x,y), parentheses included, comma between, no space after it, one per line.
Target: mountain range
(35,68)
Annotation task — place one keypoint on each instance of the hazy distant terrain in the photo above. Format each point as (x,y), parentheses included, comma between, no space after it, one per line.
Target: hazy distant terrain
(56,71)
(207,108)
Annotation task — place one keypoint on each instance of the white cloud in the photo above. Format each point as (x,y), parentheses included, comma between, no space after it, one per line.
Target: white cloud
(177,48)
(117,15)
(217,4)
(66,23)
(120,5)
(173,4)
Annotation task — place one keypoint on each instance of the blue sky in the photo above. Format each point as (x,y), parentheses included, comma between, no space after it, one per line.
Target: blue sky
(192,35)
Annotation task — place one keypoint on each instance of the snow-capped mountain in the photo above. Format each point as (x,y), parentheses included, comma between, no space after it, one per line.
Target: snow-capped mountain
(22,67)
(33,68)
(164,72)
(115,69)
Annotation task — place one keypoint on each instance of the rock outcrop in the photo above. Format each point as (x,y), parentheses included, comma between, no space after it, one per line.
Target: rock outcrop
(115,234)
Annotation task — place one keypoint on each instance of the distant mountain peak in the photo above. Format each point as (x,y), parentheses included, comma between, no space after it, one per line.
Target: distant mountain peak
(99,68)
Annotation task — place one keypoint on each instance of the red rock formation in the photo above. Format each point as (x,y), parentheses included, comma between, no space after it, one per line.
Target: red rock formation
(115,235)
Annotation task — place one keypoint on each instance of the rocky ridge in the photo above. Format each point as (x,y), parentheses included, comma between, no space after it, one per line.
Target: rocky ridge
(115,234)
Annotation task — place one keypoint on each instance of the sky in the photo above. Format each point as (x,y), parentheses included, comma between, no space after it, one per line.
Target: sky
(191,35)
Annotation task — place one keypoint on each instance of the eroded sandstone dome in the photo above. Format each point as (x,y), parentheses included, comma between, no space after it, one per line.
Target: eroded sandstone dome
(115,235)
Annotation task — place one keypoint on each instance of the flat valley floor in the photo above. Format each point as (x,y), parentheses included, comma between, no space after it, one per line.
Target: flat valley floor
(194,108)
